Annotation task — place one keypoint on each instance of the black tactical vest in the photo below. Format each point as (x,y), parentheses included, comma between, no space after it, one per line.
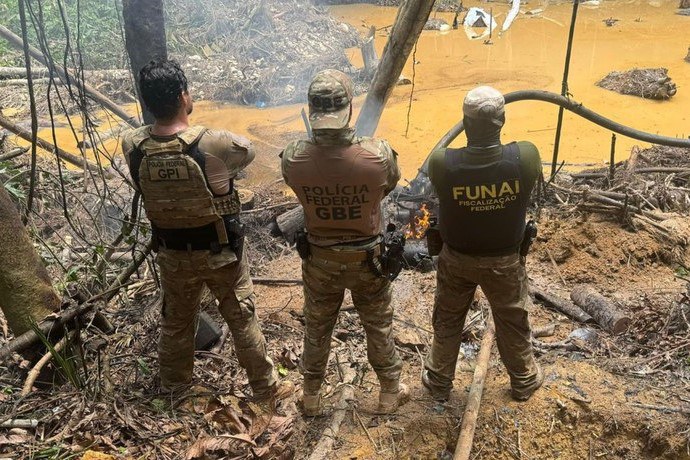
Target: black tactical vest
(483,207)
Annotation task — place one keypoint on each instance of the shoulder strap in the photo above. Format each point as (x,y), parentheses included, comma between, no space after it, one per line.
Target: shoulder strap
(192,135)
(511,151)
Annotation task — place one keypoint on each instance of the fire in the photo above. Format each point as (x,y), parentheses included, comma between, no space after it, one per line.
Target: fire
(417,228)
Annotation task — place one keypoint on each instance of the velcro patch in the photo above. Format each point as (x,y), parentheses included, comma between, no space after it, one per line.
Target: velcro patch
(168,170)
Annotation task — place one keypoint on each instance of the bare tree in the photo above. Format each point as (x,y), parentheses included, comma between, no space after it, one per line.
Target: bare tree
(145,37)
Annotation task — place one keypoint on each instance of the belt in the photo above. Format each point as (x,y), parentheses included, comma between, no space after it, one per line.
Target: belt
(193,246)
(496,253)
(343,256)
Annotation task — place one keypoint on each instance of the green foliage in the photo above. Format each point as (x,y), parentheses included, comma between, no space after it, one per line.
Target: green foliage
(94,22)
(13,183)
(65,360)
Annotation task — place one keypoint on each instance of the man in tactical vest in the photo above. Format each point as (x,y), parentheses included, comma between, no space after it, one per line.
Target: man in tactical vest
(340,180)
(483,191)
(185,175)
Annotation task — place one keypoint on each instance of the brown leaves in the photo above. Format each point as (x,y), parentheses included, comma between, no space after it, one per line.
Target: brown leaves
(256,432)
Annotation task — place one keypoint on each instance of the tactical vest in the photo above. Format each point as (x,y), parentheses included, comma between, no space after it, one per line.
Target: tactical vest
(178,202)
(482,207)
(340,188)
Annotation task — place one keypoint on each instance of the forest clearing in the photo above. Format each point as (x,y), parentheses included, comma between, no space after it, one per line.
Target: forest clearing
(609,276)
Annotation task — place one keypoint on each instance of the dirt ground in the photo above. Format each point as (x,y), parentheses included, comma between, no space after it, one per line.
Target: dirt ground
(589,406)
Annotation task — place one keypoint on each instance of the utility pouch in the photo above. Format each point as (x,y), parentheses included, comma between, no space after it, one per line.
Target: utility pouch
(528,238)
(236,232)
(434,242)
(392,261)
(302,244)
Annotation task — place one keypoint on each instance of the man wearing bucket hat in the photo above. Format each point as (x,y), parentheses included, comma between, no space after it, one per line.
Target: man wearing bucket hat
(340,180)
(484,191)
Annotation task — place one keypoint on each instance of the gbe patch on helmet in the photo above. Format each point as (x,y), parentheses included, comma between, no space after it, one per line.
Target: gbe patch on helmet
(167,169)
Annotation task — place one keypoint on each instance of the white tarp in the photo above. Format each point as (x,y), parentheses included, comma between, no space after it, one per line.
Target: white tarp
(478,18)
(512,14)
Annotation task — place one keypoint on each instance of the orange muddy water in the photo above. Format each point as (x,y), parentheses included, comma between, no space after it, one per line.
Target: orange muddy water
(530,55)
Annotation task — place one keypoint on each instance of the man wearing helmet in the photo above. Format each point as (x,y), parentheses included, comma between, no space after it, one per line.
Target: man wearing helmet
(484,191)
(340,180)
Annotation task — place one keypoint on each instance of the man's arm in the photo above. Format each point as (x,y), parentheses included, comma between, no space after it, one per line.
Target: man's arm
(530,163)
(236,152)
(393,171)
(127,148)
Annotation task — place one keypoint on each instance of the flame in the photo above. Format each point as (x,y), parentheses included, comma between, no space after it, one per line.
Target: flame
(417,228)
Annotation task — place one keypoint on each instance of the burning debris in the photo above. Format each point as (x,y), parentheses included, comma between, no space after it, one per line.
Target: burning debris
(416,229)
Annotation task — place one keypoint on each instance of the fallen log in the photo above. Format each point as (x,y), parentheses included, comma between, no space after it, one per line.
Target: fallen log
(474,399)
(45,145)
(290,222)
(564,306)
(603,311)
(65,316)
(13,153)
(93,93)
(324,448)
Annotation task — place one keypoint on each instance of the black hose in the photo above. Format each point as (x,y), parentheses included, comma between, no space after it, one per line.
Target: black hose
(568,104)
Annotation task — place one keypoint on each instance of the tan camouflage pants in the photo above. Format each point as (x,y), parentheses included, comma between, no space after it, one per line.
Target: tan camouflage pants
(324,287)
(503,280)
(183,275)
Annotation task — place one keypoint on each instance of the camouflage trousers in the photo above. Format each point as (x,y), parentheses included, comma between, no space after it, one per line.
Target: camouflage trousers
(325,282)
(183,275)
(503,280)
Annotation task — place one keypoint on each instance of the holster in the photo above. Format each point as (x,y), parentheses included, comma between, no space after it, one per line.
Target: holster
(392,260)
(434,242)
(528,238)
(236,232)
(302,244)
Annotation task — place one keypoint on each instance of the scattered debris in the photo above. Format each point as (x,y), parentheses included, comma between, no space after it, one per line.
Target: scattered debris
(610,22)
(646,83)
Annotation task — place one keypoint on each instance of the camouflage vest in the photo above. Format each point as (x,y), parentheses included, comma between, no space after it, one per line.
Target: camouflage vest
(171,177)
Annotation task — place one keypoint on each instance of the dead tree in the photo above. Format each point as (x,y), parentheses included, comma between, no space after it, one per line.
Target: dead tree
(408,25)
(145,37)
(26,292)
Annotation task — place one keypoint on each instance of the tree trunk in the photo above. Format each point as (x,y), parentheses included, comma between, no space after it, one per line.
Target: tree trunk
(290,222)
(369,55)
(144,38)
(565,306)
(409,24)
(26,292)
(603,311)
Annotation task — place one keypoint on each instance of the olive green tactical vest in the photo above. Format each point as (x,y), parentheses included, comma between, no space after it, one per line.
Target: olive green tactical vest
(482,207)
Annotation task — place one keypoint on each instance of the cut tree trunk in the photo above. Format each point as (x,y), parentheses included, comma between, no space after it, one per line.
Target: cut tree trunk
(144,38)
(290,222)
(369,56)
(26,291)
(603,311)
(565,306)
(409,23)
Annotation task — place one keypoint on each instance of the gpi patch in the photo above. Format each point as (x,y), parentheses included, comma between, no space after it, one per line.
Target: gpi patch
(172,169)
